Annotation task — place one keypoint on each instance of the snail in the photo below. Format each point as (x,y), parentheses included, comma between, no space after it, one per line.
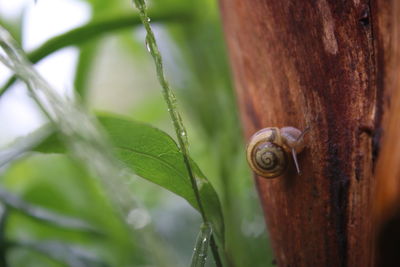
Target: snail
(268,150)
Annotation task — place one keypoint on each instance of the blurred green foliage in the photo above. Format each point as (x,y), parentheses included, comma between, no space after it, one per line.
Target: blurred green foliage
(191,41)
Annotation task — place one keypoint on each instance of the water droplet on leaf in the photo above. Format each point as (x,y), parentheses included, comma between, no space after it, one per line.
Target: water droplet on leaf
(148,46)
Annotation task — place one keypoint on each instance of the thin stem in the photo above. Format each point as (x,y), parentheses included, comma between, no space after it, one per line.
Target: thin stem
(214,250)
(170,100)
(95,29)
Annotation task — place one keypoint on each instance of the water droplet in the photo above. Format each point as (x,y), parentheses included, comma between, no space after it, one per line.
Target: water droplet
(199,256)
(200,182)
(148,46)
(148,19)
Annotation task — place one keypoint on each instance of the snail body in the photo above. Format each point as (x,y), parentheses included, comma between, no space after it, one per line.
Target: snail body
(268,150)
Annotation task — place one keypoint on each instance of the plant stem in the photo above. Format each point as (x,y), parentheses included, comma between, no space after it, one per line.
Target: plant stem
(214,250)
(93,30)
(170,100)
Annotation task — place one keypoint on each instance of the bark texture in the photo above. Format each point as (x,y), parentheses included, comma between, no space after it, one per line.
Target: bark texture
(387,199)
(321,64)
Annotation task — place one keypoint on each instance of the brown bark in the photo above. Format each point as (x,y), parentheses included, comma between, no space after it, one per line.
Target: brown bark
(320,64)
(386,212)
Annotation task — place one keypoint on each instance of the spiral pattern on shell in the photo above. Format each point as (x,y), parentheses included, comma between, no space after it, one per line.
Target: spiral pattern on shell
(268,149)
(269,159)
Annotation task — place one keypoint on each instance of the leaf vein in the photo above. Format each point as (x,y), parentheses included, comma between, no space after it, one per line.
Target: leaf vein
(165,163)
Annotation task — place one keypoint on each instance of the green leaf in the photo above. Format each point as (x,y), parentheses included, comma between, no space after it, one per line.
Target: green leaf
(55,182)
(52,144)
(70,255)
(94,29)
(155,156)
(45,215)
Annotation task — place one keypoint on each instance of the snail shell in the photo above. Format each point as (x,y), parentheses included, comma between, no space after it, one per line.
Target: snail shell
(268,149)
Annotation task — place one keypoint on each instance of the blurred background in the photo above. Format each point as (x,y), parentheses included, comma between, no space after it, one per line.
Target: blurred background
(111,71)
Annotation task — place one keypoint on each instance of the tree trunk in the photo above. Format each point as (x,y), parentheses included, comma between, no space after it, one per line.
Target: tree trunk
(321,64)
(387,199)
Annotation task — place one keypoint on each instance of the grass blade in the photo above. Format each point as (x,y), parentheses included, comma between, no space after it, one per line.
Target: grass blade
(200,250)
